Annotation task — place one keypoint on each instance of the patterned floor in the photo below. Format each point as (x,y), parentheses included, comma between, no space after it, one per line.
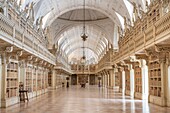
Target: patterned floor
(84,100)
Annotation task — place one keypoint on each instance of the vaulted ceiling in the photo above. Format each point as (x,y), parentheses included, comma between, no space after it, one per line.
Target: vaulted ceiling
(103,17)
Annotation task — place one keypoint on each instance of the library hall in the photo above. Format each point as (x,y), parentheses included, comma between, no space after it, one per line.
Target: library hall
(84,56)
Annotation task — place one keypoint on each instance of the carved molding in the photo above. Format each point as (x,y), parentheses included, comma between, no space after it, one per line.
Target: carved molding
(9,49)
(35,59)
(30,57)
(19,53)
(162,48)
(141,56)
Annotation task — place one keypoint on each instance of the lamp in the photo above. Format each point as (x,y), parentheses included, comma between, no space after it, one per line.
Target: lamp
(84,36)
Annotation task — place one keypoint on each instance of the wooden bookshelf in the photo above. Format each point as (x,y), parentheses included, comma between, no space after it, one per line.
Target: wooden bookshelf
(127,78)
(28,85)
(12,80)
(58,80)
(46,79)
(50,78)
(39,79)
(138,78)
(34,79)
(43,79)
(155,78)
(117,80)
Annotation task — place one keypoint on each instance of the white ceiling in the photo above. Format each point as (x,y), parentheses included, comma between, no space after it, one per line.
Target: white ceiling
(77,15)
(64,19)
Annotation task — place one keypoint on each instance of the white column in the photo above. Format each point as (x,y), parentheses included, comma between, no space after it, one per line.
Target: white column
(3,80)
(144,79)
(132,81)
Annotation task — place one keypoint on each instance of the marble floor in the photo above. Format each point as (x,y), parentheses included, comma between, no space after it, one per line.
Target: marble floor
(84,100)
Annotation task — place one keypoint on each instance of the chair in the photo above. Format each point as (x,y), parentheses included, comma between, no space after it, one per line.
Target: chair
(22,92)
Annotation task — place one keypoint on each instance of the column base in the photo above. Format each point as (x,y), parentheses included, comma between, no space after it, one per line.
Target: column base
(141,96)
(168,103)
(127,92)
(122,91)
(157,100)
(59,86)
(51,88)
(116,88)
(132,94)
(9,101)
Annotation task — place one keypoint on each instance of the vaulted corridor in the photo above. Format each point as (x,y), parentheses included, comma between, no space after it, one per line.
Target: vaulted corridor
(85,100)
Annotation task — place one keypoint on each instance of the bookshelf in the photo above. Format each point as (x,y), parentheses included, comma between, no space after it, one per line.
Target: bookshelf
(46,79)
(39,80)
(50,78)
(117,80)
(127,78)
(138,79)
(28,85)
(58,81)
(34,79)
(43,79)
(12,80)
(155,78)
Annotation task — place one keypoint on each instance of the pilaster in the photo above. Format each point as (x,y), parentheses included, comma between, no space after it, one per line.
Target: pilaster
(132,81)
(53,79)
(3,82)
(143,60)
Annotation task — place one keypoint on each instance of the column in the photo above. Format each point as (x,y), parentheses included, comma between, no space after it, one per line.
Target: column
(145,85)
(165,84)
(168,86)
(53,79)
(3,80)
(132,81)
